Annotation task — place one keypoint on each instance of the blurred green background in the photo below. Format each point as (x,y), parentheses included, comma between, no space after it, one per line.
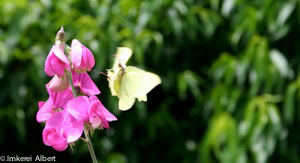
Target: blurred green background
(230,87)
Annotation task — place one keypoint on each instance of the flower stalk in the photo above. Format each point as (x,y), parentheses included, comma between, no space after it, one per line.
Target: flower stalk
(71,84)
(89,144)
(86,131)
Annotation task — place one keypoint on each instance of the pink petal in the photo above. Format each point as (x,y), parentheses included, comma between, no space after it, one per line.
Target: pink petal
(87,86)
(75,78)
(95,121)
(62,129)
(82,57)
(41,104)
(103,119)
(93,98)
(58,84)
(98,110)
(55,101)
(46,133)
(57,120)
(47,68)
(66,125)
(88,58)
(95,116)
(76,53)
(78,108)
(60,54)
(57,66)
(72,129)
(45,112)
(62,98)
(108,116)
(56,62)
(57,141)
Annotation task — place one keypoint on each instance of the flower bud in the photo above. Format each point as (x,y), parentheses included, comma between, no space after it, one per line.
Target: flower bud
(60,40)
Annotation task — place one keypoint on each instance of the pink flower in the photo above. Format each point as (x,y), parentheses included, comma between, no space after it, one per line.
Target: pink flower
(84,84)
(90,110)
(56,62)
(82,58)
(55,101)
(62,129)
(58,83)
(98,114)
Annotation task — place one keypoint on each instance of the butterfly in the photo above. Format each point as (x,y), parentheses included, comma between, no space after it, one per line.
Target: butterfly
(129,83)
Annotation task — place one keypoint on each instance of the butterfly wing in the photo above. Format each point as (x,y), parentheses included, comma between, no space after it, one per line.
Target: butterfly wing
(125,102)
(122,56)
(137,82)
(111,82)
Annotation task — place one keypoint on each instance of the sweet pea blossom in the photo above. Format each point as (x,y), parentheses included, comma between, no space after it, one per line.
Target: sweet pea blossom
(67,117)
(58,84)
(55,101)
(90,110)
(84,84)
(82,58)
(56,62)
(62,129)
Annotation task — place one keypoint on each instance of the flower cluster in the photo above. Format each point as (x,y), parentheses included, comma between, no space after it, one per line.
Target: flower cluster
(65,113)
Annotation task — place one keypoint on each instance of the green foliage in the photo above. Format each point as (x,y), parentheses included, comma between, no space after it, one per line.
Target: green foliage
(229,70)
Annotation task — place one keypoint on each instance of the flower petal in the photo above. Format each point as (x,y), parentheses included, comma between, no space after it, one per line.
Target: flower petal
(78,108)
(76,53)
(58,84)
(47,68)
(57,141)
(87,86)
(41,104)
(56,62)
(88,58)
(93,98)
(82,57)
(72,129)
(45,112)
(57,66)
(75,78)
(62,98)
(108,116)
(96,110)
(95,121)
(62,129)
(46,133)
(57,120)
(104,122)
(60,54)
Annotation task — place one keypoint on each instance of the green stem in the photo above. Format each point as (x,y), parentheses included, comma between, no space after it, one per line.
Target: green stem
(89,143)
(71,83)
(86,131)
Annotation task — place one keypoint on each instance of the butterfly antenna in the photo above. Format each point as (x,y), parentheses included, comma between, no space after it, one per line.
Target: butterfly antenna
(104,74)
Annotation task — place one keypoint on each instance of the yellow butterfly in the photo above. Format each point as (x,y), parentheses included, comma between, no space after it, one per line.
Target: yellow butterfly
(129,82)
